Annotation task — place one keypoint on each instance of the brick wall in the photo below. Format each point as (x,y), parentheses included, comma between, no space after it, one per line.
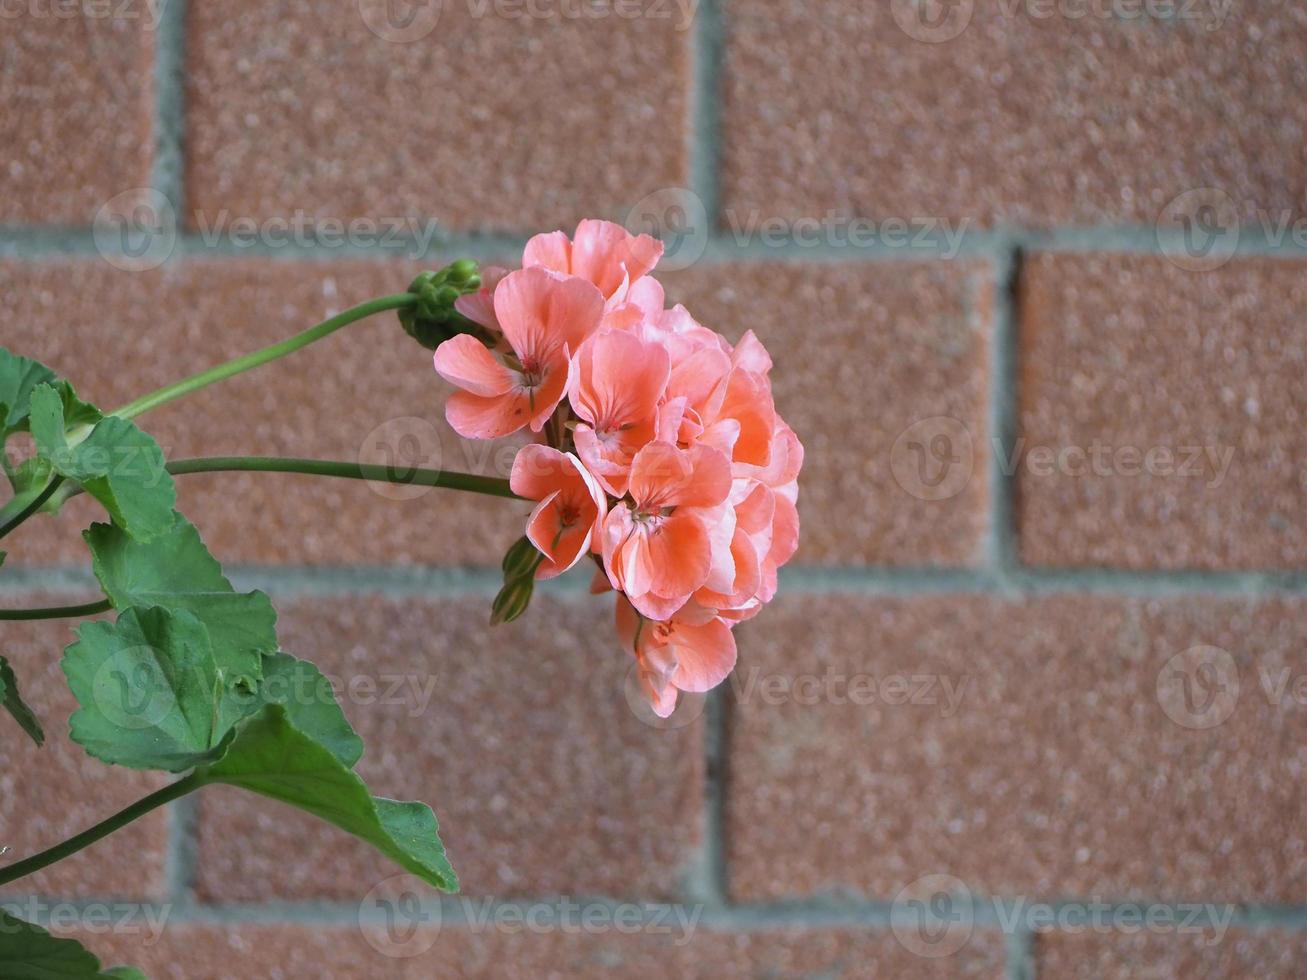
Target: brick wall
(1034,274)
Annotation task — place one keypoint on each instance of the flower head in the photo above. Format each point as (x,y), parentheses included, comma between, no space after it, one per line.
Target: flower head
(658,449)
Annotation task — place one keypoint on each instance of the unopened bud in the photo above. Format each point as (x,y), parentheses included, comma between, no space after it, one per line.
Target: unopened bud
(512,600)
(521,560)
(432,319)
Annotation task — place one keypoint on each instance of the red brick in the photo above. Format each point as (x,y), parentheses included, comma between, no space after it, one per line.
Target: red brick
(1060,773)
(509,122)
(1018,119)
(1122,351)
(321,402)
(78,98)
(862,353)
(1268,955)
(258,951)
(542,777)
(49,794)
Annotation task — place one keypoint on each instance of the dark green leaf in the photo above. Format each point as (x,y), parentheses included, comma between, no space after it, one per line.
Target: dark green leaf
(273,758)
(310,704)
(115,462)
(10,698)
(151,695)
(18,376)
(28,952)
(176,571)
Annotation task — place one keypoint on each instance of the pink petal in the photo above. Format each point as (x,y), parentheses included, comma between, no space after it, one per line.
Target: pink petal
(705,655)
(464,361)
(542,315)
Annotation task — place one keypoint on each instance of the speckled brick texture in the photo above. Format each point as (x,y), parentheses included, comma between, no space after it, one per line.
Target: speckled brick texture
(1021,118)
(366,393)
(1034,748)
(522,738)
(486,953)
(78,96)
(1190,387)
(478,115)
(50,793)
(872,359)
(1270,954)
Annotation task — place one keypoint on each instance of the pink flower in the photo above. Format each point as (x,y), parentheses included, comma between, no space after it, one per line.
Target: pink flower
(572,505)
(615,390)
(693,651)
(479,307)
(602,253)
(658,547)
(544,319)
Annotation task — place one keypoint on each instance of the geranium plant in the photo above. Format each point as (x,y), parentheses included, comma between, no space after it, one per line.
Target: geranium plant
(651,447)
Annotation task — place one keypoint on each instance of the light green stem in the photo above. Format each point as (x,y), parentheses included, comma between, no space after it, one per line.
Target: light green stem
(260,357)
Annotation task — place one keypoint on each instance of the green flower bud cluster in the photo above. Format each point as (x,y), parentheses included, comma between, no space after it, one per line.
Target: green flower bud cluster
(520,564)
(432,319)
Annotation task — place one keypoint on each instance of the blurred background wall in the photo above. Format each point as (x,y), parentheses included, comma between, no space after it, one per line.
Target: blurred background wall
(1033,275)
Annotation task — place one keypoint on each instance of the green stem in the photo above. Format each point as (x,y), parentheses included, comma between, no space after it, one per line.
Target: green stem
(37,503)
(491,486)
(103,829)
(57,612)
(258,357)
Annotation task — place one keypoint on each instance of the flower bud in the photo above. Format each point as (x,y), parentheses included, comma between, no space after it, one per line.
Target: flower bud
(512,600)
(521,560)
(433,319)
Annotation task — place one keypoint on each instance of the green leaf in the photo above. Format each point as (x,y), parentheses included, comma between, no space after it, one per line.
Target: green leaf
(10,698)
(18,376)
(151,695)
(272,757)
(116,462)
(310,704)
(176,571)
(28,952)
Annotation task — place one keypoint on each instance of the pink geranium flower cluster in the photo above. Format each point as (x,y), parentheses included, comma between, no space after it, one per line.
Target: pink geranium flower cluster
(658,450)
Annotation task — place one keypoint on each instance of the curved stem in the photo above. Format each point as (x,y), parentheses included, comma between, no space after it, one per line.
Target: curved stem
(103,829)
(37,503)
(56,612)
(258,357)
(491,486)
